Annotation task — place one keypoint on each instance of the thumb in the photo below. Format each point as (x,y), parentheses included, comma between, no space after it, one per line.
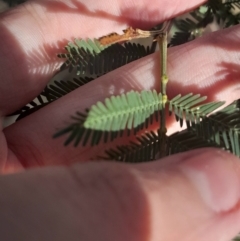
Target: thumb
(193,196)
(189,196)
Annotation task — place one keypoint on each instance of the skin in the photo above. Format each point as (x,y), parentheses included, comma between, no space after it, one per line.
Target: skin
(52,193)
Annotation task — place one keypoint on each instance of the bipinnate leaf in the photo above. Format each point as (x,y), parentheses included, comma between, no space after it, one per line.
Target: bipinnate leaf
(107,120)
(92,59)
(123,111)
(201,131)
(145,148)
(186,108)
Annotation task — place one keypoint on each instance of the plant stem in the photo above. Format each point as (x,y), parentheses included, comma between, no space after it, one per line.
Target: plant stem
(162,42)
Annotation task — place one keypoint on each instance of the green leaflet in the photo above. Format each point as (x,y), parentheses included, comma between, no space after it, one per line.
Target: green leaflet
(124,111)
(144,149)
(133,111)
(94,60)
(205,129)
(79,53)
(93,46)
(220,129)
(106,121)
(31,107)
(62,87)
(183,108)
(225,13)
(226,124)
(88,45)
(97,64)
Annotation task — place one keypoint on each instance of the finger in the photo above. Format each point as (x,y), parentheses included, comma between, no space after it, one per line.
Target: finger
(198,67)
(32,34)
(191,196)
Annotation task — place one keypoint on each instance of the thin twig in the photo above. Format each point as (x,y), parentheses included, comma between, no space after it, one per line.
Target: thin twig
(162,42)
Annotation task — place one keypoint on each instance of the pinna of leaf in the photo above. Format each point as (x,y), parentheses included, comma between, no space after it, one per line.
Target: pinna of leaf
(134,111)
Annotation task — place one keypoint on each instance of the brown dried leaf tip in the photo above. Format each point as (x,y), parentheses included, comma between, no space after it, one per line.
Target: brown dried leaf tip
(128,34)
(131,33)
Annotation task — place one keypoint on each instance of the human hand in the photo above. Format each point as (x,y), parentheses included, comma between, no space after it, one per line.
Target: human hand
(165,200)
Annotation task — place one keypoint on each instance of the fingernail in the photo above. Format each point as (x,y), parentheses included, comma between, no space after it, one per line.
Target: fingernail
(215,174)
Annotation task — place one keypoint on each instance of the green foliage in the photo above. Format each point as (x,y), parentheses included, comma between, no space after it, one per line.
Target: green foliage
(181,106)
(236,238)
(32,106)
(59,88)
(224,128)
(144,148)
(224,12)
(190,27)
(193,26)
(98,64)
(133,111)
(51,93)
(220,129)
(128,113)
(125,111)
(90,58)
(199,132)
(79,53)
(14,2)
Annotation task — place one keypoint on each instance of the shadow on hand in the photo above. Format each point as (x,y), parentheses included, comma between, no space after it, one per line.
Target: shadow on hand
(134,17)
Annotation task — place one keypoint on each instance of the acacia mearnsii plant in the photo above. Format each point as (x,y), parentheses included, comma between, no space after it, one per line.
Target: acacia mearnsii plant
(133,113)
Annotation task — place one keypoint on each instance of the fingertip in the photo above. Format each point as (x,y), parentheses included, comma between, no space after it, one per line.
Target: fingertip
(216,176)
(196,192)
